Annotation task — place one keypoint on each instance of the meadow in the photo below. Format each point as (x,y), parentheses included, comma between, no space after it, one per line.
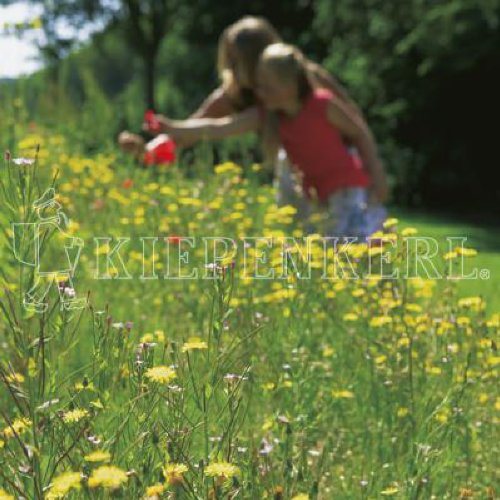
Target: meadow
(234,387)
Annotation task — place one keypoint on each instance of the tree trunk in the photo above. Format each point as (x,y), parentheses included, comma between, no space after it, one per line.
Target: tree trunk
(149,79)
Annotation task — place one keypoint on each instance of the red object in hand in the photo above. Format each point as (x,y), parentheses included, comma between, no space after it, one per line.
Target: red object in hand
(152,122)
(160,150)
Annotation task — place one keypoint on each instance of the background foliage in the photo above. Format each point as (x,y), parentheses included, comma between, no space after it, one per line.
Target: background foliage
(425,73)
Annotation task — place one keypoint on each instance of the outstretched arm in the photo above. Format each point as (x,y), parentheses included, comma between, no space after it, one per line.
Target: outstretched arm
(216,105)
(195,129)
(354,127)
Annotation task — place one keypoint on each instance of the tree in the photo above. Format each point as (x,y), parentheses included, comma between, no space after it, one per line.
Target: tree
(424,71)
(143,25)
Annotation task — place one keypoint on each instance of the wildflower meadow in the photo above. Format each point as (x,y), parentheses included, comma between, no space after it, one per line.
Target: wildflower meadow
(179,367)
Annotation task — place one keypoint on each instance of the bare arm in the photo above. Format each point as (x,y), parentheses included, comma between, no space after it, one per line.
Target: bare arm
(324,79)
(216,105)
(195,129)
(354,127)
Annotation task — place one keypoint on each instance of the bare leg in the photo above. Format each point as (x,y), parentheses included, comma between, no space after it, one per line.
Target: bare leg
(289,192)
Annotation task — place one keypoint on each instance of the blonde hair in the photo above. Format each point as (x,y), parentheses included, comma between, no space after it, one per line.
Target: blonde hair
(289,65)
(245,39)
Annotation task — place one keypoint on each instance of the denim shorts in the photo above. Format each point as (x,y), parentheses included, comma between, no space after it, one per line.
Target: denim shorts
(350,214)
(346,212)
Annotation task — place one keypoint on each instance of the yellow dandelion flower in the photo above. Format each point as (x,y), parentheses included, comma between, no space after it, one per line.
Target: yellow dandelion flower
(97,404)
(442,415)
(444,327)
(154,491)
(433,370)
(494,322)
(221,469)
(391,490)
(301,496)
(466,252)
(76,415)
(328,351)
(483,397)
(227,167)
(15,378)
(390,222)
(268,386)
(409,231)
(108,476)
(161,374)
(160,336)
(350,317)
(493,360)
(98,456)
(5,496)
(80,386)
(147,337)
(343,394)
(379,321)
(373,251)
(62,484)
(403,342)
(474,303)
(194,343)
(413,308)
(402,411)
(18,426)
(173,472)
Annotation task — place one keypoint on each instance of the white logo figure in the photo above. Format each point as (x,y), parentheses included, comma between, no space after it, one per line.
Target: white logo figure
(48,236)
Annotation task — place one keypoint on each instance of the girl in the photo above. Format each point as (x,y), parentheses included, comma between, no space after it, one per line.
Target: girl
(310,125)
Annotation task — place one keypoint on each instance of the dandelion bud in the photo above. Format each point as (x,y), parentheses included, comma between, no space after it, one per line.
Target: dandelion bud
(278,493)
(155,438)
(170,448)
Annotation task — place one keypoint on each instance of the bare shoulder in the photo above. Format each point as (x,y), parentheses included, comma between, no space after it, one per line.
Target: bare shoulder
(217,105)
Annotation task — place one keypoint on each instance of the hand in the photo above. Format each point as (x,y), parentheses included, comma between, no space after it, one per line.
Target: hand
(131,143)
(155,124)
(379,190)
(151,121)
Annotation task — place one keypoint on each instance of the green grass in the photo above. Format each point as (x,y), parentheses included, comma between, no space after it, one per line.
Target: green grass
(485,238)
(353,388)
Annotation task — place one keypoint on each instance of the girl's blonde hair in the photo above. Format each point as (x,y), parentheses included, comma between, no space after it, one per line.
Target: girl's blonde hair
(288,64)
(245,39)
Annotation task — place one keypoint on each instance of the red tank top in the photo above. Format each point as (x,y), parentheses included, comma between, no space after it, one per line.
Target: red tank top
(316,148)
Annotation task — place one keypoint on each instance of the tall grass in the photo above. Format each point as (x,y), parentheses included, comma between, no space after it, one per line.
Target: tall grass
(229,386)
